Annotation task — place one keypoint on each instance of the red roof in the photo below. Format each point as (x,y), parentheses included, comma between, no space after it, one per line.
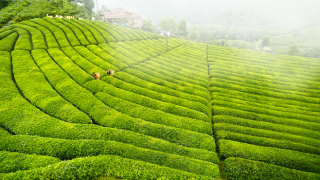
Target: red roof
(120,13)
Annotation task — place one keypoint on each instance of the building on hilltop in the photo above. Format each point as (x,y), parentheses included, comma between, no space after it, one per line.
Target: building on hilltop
(123,17)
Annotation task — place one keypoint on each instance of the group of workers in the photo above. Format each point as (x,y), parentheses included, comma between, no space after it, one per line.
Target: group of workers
(97,75)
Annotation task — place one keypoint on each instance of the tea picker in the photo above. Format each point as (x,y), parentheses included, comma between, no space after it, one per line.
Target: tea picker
(96,76)
(111,73)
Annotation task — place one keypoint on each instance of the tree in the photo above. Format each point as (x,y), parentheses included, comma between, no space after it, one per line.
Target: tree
(168,24)
(76,1)
(88,4)
(148,25)
(212,40)
(101,11)
(227,37)
(182,28)
(265,41)
(293,49)
(194,34)
(242,46)
(4,4)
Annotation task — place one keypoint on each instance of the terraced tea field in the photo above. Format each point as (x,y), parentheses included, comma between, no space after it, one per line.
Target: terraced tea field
(191,111)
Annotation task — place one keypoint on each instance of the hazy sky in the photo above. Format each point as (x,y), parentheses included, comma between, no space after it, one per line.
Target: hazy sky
(196,11)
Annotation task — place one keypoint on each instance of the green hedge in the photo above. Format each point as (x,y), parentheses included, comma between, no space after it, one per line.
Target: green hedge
(105,56)
(127,37)
(191,53)
(79,75)
(117,55)
(36,36)
(88,103)
(185,138)
(259,90)
(132,34)
(7,43)
(73,40)
(183,75)
(5,29)
(307,87)
(78,33)
(57,32)
(99,166)
(50,39)
(83,63)
(268,142)
(101,86)
(231,103)
(156,42)
(286,158)
(268,130)
(107,36)
(195,68)
(60,148)
(39,92)
(302,75)
(218,110)
(125,33)
(13,161)
(283,66)
(126,52)
(156,72)
(112,32)
(171,44)
(158,45)
(97,35)
(283,72)
(143,46)
(90,56)
(5,34)
(243,169)
(152,35)
(149,44)
(266,102)
(34,122)
(144,34)
(155,87)
(186,60)
(135,50)
(85,31)
(156,95)
(24,40)
(137,35)
(193,75)
(149,78)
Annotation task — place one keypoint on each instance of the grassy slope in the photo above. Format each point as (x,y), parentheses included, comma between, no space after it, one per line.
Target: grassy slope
(153,113)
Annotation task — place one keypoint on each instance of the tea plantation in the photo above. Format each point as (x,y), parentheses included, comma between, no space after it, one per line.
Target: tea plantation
(189,111)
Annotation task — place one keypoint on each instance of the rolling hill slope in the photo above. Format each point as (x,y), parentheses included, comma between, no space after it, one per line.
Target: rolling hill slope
(156,117)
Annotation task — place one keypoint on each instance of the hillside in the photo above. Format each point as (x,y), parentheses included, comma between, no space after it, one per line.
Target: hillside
(192,111)
(20,10)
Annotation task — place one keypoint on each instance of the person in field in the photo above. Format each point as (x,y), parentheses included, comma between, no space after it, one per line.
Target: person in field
(111,73)
(96,76)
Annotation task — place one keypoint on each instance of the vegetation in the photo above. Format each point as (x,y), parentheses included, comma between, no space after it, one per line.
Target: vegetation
(261,130)
(20,10)
(148,26)
(174,109)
